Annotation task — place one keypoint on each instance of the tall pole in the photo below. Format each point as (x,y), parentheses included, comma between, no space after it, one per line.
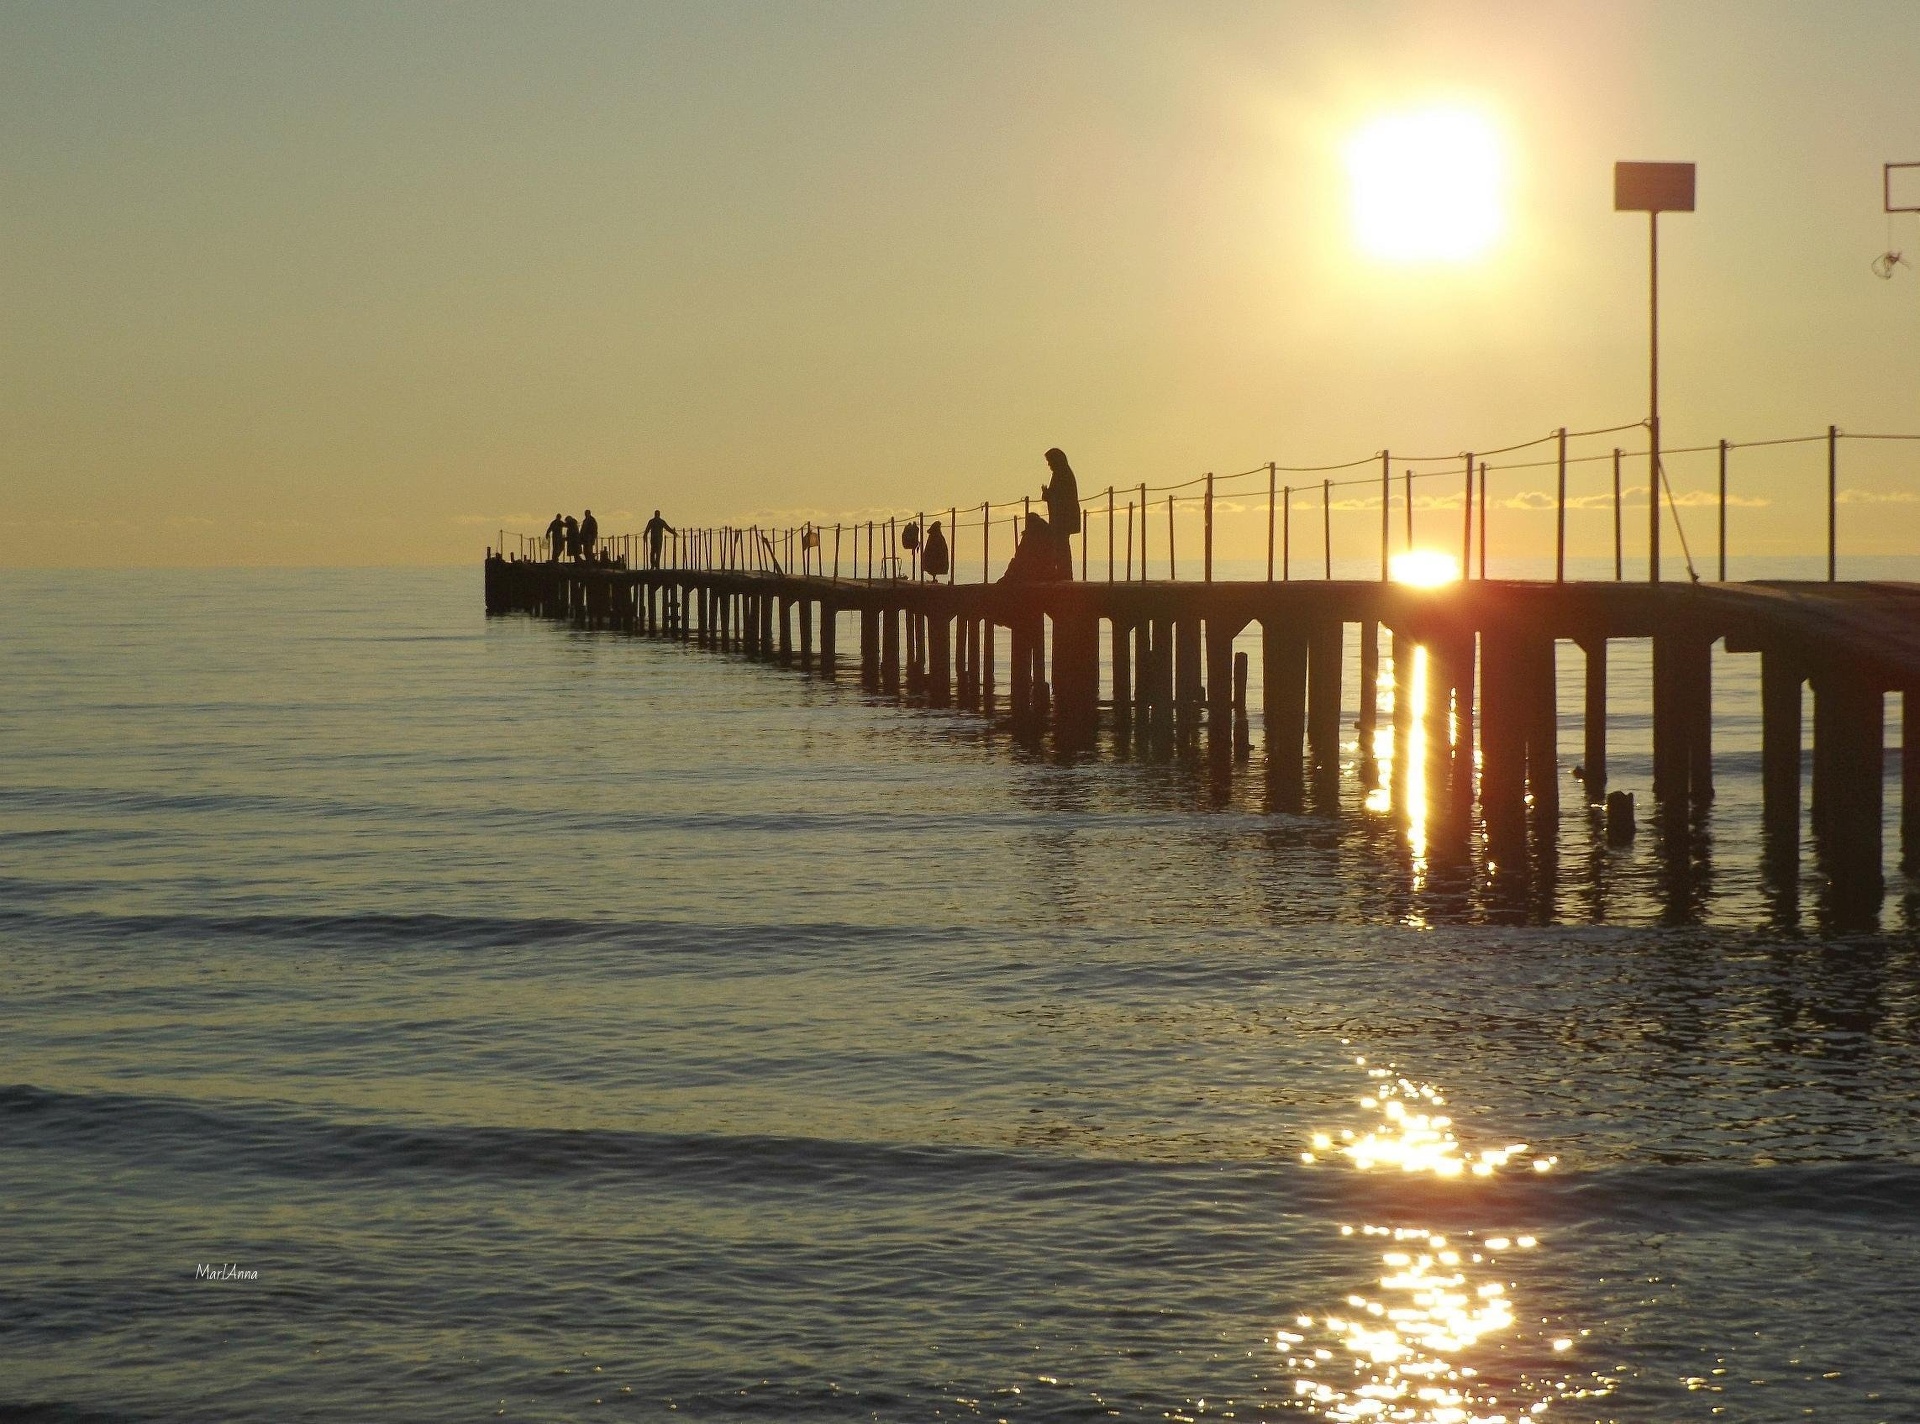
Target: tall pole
(1723,511)
(1466,520)
(1143,531)
(1618,571)
(1272,474)
(1653,397)
(1833,501)
(1286,533)
(1560,516)
(1207,560)
(1386,509)
(1326,523)
(1109,533)
(1483,522)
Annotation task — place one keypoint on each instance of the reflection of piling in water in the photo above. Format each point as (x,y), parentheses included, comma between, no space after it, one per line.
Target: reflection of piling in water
(1490,719)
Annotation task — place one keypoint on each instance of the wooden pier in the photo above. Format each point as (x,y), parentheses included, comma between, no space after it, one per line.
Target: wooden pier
(1489,650)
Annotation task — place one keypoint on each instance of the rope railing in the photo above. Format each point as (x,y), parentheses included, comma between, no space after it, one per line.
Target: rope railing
(876,546)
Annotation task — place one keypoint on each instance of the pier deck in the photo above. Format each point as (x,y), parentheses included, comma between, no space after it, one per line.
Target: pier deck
(1174,685)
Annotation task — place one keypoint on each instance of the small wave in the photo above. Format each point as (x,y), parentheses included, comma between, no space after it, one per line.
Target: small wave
(376,930)
(276,1141)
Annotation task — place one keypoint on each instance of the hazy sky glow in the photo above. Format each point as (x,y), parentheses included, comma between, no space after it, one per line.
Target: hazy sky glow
(344,284)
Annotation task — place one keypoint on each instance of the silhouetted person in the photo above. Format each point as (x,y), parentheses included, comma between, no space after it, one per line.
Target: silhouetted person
(1037,558)
(557,537)
(589,537)
(1063,507)
(573,537)
(933,554)
(656,531)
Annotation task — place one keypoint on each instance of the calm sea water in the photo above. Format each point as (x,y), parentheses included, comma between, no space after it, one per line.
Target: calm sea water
(556,1025)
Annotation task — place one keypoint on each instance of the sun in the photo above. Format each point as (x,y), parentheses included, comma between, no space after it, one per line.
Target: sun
(1424,568)
(1428,184)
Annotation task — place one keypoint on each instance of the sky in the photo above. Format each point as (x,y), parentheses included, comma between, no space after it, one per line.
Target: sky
(351,284)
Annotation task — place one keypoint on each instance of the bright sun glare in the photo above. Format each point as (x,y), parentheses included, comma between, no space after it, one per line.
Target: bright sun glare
(1424,568)
(1428,185)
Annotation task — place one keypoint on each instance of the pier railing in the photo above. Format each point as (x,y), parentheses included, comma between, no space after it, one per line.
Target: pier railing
(1352,513)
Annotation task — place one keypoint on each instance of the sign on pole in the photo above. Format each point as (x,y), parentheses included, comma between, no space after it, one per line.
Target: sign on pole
(1653,187)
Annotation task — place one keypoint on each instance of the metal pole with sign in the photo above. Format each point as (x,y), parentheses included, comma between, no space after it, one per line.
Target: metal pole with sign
(1653,189)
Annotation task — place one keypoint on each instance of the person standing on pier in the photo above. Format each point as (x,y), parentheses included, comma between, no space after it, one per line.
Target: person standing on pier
(589,536)
(557,537)
(1062,495)
(934,560)
(656,531)
(573,537)
(1037,557)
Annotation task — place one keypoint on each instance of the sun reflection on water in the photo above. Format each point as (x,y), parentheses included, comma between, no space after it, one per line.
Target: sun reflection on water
(1410,1134)
(1436,1339)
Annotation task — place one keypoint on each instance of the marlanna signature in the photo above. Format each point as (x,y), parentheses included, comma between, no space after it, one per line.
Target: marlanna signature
(227,1272)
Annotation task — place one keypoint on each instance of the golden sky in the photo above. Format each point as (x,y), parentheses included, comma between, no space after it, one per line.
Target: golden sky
(345,284)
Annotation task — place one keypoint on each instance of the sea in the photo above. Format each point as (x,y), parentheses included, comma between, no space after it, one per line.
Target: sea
(419,1016)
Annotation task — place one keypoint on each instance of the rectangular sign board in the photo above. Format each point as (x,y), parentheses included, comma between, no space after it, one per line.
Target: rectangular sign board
(1653,187)
(1903,187)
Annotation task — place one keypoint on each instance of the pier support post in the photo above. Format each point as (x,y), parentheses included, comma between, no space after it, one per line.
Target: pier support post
(1465,730)
(890,649)
(1593,763)
(805,609)
(1324,649)
(939,678)
(1780,742)
(1682,719)
(1400,648)
(829,617)
(1242,716)
(1076,679)
(1543,735)
(1437,718)
(1121,645)
(1186,679)
(1910,779)
(1849,717)
(987,659)
(1158,668)
(1503,764)
(870,648)
(966,669)
(1369,702)
(1220,634)
(1283,692)
(1141,641)
(784,612)
(1021,633)
(1042,680)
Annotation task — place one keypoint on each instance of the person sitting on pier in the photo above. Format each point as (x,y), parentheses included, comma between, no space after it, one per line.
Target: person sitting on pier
(934,561)
(1038,557)
(557,537)
(589,537)
(573,537)
(656,531)
(1062,495)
